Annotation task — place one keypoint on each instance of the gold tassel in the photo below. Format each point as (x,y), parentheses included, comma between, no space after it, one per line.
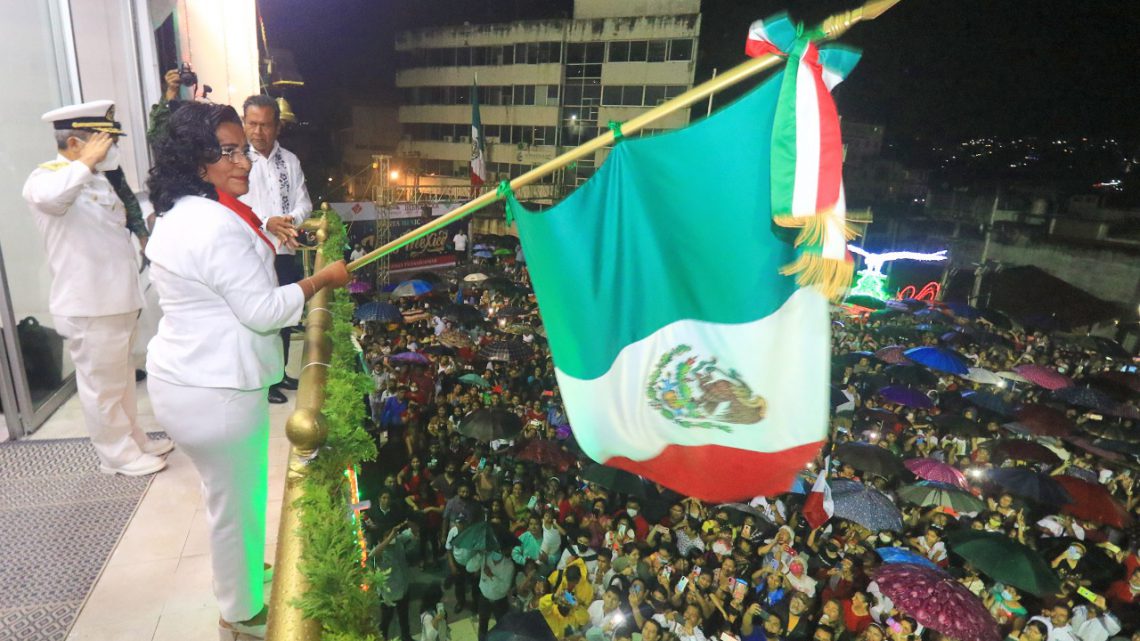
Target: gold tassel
(814,228)
(831,277)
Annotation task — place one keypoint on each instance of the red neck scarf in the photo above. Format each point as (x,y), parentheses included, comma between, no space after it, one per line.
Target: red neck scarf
(245,213)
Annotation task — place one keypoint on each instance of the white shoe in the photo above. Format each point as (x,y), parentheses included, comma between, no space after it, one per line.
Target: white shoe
(157,447)
(143,465)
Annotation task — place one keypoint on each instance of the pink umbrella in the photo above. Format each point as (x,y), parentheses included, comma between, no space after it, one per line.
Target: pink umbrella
(1043,420)
(1046,377)
(937,601)
(893,354)
(932,470)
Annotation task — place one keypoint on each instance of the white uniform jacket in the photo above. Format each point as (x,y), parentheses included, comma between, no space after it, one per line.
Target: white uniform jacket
(277,188)
(94,266)
(221,304)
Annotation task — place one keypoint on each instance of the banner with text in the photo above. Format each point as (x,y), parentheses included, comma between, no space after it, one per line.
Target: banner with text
(436,250)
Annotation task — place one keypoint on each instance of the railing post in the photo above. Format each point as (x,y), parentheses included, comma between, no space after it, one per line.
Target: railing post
(307,431)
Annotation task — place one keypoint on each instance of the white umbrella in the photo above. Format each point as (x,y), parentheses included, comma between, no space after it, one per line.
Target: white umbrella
(983,376)
(1013,376)
(477,277)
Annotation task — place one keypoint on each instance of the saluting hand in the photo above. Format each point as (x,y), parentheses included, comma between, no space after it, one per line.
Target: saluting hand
(95,149)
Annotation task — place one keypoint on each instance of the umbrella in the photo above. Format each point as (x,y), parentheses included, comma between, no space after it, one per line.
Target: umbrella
(474,379)
(989,401)
(482,253)
(886,417)
(1092,502)
(865,505)
(614,479)
(869,458)
(490,425)
(893,354)
(1129,380)
(932,493)
(1095,564)
(1088,397)
(897,331)
(962,309)
(1043,376)
(838,397)
(521,626)
(934,470)
(1114,446)
(503,252)
(870,302)
(498,283)
(1013,376)
(983,376)
(544,452)
(911,375)
(1027,483)
(411,288)
(439,350)
(851,358)
(383,312)
(938,358)
(1125,410)
(463,314)
(906,396)
(505,351)
(1022,450)
(1043,420)
(903,555)
(958,424)
(1095,448)
(911,303)
(519,329)
(477,537)
(937,601)
(1005,560)
(476,277)
(481,247)
(410,357)
(743,508)
(432,278)
(455,338)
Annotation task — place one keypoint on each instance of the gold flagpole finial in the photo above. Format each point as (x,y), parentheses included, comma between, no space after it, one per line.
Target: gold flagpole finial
(839,23)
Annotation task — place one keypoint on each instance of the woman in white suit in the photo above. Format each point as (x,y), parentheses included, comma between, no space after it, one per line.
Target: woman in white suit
(217,349)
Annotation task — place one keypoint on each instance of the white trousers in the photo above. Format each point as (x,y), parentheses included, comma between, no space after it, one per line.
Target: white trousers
(225,432)
(100,348)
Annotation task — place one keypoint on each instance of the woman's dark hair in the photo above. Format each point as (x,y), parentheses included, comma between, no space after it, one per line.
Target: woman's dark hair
(189,143)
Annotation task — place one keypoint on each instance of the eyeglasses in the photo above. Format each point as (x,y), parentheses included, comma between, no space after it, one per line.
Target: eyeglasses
(238,153)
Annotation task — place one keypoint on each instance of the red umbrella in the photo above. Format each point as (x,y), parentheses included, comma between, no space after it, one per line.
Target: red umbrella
(1043,420)
(1085,445)
(937,601)
(1092,502)
(1046,377)
(1131,381)
(546,452)
(893,354)
(932,470)
(1021,450)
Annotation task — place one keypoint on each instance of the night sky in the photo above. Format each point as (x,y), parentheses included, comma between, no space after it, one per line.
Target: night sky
(932,71)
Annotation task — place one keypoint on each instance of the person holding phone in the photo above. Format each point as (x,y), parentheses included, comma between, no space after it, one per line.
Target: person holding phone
(433,616)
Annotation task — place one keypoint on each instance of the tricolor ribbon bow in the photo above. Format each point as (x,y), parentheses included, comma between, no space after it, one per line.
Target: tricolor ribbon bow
(807,151)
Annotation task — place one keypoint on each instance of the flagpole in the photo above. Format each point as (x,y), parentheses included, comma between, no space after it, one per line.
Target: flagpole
(832,28)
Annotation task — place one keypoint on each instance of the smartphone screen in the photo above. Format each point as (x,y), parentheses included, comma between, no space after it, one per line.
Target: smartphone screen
(682,584)
(739,590)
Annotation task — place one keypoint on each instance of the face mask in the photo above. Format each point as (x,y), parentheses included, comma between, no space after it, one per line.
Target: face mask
(111,161)
(631,512)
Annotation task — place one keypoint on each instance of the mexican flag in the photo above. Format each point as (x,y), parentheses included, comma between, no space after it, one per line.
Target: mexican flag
(478,148)
(819,506)
(682,352)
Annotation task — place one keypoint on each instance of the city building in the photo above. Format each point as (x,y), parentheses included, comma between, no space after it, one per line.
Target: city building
(544,86)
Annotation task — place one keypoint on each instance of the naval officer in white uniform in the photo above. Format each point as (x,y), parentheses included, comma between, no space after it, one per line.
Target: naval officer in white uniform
(95,298)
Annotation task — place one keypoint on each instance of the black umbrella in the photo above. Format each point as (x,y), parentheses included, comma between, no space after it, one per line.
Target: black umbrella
(439,350)
(912,375)
(851,358)
(462,314)
(490,424)
(521,626)
(497,283)
(990,402)
(614,479)
(1088,397)
(507,351)
(869,458)
(382,312)
(958,425)
(1028,484)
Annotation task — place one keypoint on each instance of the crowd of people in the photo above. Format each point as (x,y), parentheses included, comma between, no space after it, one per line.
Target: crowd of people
(478,467)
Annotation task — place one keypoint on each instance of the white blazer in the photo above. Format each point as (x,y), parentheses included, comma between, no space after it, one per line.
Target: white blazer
(221,305)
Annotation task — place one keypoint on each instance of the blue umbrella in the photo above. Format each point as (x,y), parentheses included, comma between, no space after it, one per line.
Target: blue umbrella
(866,506)
(906,396)
(383,312)
(938,358)
(1026,483)
(1088,397)
(411,288)
(963,310)
(410,357)
(903,555)
(483,254)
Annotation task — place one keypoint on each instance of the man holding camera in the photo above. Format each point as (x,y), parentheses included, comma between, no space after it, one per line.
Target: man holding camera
(278,196)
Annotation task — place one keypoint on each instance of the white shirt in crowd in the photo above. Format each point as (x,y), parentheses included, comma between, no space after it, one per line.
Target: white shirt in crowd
(460,242)
(277,188)
(1100,628)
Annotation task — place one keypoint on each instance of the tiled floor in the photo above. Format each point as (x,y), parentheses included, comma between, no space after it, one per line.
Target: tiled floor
(157,584)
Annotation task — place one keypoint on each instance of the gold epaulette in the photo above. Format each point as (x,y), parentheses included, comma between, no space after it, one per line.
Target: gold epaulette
(54,165)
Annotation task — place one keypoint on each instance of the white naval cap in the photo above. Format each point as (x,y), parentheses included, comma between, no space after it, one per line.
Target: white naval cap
(97,115)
